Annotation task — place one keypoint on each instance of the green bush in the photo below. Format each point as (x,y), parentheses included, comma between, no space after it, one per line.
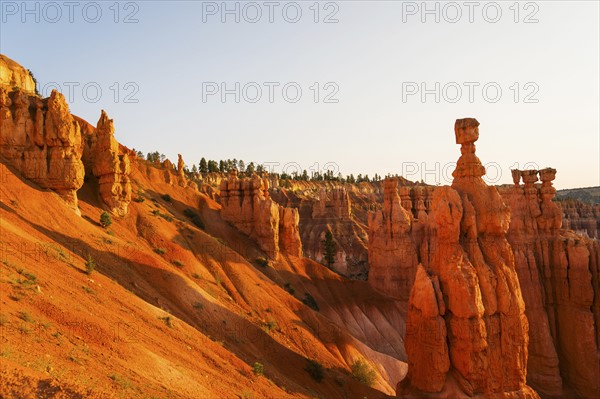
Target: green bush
(178,263)
(160,251)
(310,302)
(105,219)
(258,369)
(263,262)
(314,369)
(362,372)
(90,265)
(194,217)
(288,287)
(166,197)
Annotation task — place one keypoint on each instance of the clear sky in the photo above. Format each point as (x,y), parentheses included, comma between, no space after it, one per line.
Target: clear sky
(368,61)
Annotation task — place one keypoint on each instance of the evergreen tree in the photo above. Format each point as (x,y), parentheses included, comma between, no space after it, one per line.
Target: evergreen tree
(250,168)
(329,249)
(221,166)
(203,166)
(194,170)
(213,166)
(242,166)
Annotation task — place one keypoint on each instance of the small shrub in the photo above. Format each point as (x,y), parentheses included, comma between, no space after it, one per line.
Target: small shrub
(263,262)
(166,197)
(139,199)
(198,306)
(25,316)
(168,218)
(315,370)
(88,290)
(196,276)
(105,219)
(258,369)
(160,251)
(178,263)
(194,217)
(288,287)
(168,321)
(156,212)
(310,302)
(90,265)
(271,325)
(362,372)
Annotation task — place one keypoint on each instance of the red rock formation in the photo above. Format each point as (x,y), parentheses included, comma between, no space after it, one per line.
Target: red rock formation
(581,217)
(246,204)
(14,75)
(334,204)
(558,270)
(392,252)
(40,139)
(467,333)
(110,166)
(289,232)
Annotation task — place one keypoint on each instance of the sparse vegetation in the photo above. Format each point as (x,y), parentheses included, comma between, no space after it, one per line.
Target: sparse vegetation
(168,321)
(194,218)
(362,372)
(88,290)
(288,287)
(166,197)
(25,316)
(258,369)
(165,216)
(198,306)
(310,302)
(329,249)
(120,380)
(160,251)
(105,219)
(315,370)
(271,325)
(196,276)
(263,262)
(90,265)
(178,263)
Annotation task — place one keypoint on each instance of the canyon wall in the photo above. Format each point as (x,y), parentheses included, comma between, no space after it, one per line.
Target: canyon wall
(558,270)
(247,205)
(42,141)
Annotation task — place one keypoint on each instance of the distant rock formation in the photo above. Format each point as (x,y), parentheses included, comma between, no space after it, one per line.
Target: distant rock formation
(110,165)
(246,204)
(41,139)
(334,204)
(392,252)
(581,217)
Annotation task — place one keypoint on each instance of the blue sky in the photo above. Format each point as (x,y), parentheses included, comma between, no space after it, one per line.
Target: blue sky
(163,58)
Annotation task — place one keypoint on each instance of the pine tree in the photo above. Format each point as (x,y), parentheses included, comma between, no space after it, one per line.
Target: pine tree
(203,166)
(213,166)
(329,249)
